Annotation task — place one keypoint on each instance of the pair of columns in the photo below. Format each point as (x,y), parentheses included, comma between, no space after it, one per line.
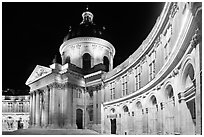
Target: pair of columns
(39,108)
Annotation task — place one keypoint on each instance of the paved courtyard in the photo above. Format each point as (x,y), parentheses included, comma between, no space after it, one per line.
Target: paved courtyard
(39,131)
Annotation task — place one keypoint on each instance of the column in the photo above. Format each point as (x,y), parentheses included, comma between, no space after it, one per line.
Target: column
(183,115)
(162,118)
(34,108)
(46,105)
(31,109)
(74,109)
(37,109)
(54,108)
(67,107)
(41,108)
(198,96)
(50,107)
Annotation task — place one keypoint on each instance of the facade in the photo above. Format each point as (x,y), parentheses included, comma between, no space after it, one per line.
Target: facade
(15,112)
(157,90)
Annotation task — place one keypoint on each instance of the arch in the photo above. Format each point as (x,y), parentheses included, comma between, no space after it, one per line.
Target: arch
(189,61)
(138,105)
(125,109)
(153,100)
(106,63)
(112,110)
(188,78)
(169,93)
(86,61)
(169,106)
(79,118)
(188,81)
(67,60)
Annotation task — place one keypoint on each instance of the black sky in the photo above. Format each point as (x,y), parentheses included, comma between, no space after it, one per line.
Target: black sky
(33,32)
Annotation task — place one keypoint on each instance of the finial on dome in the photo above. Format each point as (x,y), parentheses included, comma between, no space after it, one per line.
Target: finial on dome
(87,16)
(87,7)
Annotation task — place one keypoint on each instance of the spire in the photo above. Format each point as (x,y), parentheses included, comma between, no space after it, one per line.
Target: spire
(87,16)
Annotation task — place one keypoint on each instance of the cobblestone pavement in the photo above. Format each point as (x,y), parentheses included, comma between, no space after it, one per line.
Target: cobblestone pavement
(34,131)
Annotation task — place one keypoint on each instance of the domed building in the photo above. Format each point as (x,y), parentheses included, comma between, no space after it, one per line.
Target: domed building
(157,90)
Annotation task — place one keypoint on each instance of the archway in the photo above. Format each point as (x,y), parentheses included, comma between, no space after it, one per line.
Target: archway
(152,115)
(125,118)
(79,118)
(189,87)
(113,121)
(169,110)
(106,63)
(67,59)
(113,126)
(138,118)
(86,61)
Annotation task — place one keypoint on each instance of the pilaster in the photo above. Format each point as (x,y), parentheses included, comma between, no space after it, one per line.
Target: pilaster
(34,109)
(37,109)
(46,108)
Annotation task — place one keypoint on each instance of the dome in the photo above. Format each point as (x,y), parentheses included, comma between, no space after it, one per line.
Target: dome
(87,28)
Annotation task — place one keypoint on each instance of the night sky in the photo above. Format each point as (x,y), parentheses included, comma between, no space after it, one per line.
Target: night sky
(33,32)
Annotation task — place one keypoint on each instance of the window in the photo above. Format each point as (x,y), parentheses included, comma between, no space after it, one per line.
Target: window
(78,94)
(152,65)
(138,77)
(112,90)
(124,85)
(86,61)
(10,107)
(20,106)
(106,63)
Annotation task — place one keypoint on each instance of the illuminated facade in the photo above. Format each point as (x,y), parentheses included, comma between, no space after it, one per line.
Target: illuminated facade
(15,112)
(157,90)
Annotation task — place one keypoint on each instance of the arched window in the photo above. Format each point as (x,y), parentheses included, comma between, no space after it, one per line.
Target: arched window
(86,61)
(169,92)
(125,108)
(106,63)
(153,100)
(67,60)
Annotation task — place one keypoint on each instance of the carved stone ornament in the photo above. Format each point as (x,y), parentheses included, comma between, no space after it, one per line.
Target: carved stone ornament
(174,9)
(58,85)
(195,39)
(38,72)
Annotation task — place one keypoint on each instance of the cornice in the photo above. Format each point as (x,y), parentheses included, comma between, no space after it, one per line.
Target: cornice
(87,40)
(169,69)
(146,46)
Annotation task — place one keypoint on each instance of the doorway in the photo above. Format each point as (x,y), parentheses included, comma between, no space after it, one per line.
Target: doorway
(113,126)
(79,118)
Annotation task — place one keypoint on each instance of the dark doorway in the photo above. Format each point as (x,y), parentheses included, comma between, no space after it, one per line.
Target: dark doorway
(113,126)
(86,61)
(106,63)
(79,118)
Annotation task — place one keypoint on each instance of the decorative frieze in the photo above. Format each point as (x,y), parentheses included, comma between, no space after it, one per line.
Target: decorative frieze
(174,9)
(195,39)
(57,85)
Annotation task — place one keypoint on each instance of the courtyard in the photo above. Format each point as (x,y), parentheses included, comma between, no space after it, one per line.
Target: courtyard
(40,131)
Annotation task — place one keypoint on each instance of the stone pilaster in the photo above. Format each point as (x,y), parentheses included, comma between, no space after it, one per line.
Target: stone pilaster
(74,109)
(34,108)
(198,96)
(46,108)
(183,113)
(31,109)
(67,107)
(37,109)
(50,92)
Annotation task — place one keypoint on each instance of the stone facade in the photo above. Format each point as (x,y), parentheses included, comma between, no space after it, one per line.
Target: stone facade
(157,90)
(162,94)
(15,112)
